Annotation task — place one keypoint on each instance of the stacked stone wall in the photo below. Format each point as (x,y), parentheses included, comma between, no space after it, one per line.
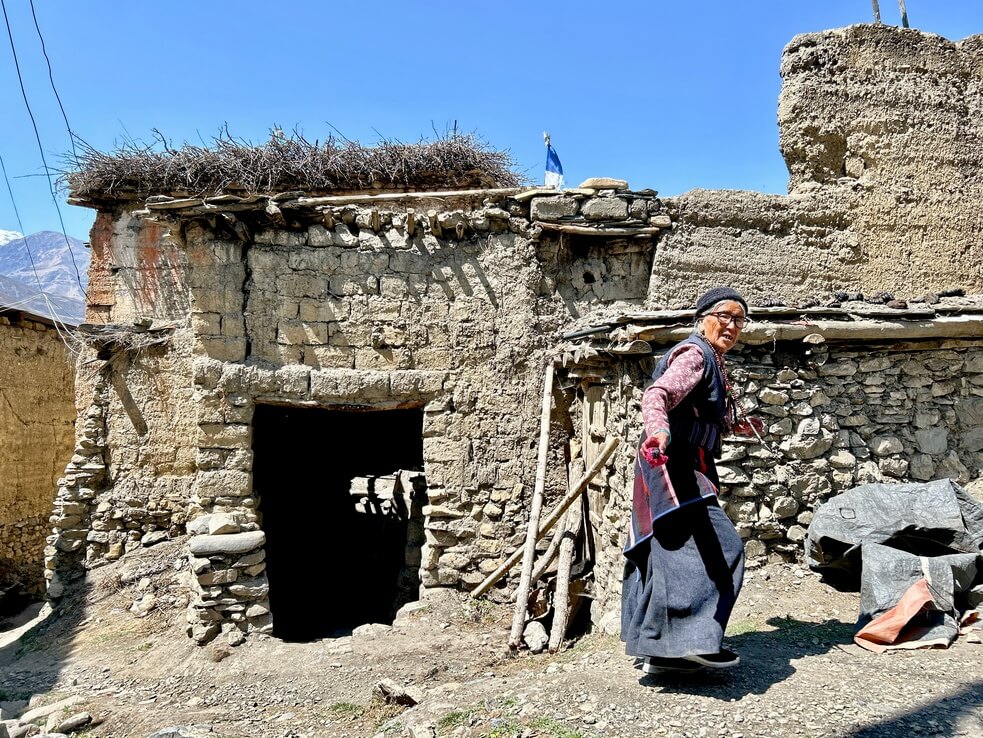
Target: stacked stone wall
(37,415)
(835,418)
(345,306)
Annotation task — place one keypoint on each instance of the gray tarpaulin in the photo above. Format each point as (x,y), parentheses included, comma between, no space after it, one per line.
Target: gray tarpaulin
(894,541)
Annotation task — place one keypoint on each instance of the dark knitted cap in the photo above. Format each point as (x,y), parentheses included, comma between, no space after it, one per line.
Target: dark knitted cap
(717,294)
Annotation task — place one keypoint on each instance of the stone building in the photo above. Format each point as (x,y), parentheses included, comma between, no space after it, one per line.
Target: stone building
(328,391)
(37,416)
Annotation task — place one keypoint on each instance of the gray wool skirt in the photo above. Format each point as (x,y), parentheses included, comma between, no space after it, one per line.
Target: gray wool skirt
(681,585)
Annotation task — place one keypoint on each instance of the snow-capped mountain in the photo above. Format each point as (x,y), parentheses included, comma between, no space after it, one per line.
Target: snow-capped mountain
(8,236)
(53,263)
(20,296)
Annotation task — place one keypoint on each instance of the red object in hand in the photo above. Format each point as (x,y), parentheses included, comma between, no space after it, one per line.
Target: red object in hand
(654,456)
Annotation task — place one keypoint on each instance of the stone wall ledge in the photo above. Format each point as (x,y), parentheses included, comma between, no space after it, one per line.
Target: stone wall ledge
(229,543)
(338,218)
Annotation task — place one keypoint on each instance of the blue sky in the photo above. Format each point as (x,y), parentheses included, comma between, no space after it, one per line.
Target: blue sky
(668,95)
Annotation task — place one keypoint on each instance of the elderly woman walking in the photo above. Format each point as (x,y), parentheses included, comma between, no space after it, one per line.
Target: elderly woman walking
(685,560)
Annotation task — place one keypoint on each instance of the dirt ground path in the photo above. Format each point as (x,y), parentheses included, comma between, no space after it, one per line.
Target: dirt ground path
(800,673)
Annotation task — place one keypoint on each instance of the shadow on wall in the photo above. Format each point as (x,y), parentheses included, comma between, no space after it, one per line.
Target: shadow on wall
(589,271)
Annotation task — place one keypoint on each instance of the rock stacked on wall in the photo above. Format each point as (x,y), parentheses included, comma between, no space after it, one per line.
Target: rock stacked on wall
(231,592)
(65,554)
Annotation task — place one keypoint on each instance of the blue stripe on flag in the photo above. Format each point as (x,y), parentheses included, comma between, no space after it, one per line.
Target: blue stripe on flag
(554,170)
(553,161)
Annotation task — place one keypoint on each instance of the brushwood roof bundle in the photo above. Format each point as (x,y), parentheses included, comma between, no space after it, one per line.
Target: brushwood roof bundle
(284,164)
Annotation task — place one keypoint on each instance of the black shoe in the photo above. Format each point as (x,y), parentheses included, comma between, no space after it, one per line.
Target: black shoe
(658,665)
(723,659)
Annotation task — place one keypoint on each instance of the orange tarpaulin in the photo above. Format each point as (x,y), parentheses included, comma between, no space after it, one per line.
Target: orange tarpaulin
(891,630)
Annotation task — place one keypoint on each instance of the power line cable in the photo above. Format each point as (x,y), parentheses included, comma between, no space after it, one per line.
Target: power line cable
(24,301)
(37,136)
(73,347)
(54,89)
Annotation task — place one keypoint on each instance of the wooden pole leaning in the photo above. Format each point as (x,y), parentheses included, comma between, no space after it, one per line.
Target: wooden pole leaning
(532,531)
(553,517)
(543,562)
(572,522)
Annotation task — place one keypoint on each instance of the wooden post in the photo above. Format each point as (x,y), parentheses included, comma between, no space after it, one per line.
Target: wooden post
(542,564)
(552,518)
(568,538)
(904,14)
(532,532)
(877,11)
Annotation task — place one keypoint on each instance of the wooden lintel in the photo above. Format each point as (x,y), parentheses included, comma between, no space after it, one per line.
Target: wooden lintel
(585,230)
(762,332)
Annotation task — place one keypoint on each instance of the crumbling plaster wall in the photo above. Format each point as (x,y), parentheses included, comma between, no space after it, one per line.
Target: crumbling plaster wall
(882,132)
(37,417)
(835,418)
(129,480)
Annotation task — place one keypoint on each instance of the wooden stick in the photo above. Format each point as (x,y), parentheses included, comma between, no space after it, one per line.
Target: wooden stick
(968,326)
(584,230)
(561,598)
(529,554)
(552,517)
(406,196)
(542,564)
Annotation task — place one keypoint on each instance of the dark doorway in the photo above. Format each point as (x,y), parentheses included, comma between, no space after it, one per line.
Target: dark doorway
(340,495)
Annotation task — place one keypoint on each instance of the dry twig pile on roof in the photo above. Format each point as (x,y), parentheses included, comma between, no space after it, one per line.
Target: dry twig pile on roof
(285,164)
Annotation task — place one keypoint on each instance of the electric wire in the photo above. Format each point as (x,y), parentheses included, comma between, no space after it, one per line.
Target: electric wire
(24,303)
(54,89)
(37,136)
(72,346)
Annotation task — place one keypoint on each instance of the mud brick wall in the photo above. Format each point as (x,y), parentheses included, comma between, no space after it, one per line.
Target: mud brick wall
(854,416)
(37,416)
(880,128)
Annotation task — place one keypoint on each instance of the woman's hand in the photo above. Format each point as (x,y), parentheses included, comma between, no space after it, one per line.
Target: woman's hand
(654,448)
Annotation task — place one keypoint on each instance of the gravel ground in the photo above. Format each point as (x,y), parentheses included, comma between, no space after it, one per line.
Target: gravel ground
(800,675)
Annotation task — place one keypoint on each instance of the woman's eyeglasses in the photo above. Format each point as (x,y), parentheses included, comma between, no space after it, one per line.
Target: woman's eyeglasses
(725,318)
